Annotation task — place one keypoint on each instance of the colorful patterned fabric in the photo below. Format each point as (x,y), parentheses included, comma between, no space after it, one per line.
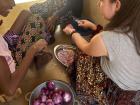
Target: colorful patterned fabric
(12,39)
(94,88)
(32,32)
(90,80)
(47,8)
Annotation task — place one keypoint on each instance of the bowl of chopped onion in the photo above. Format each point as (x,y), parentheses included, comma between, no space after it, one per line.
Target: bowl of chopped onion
(64,54)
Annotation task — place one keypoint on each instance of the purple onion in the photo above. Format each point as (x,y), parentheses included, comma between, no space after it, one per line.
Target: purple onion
(36,102)
(43,98)
(67,97)
(51,85)
(50,95)
(43,90)
(42,104)
(49,102)
(57,98)
(59,91)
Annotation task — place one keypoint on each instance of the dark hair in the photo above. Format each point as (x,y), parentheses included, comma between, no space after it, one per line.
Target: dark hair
(128,20)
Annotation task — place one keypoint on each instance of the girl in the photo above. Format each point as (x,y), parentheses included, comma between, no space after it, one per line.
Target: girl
(118,45)
(10,78)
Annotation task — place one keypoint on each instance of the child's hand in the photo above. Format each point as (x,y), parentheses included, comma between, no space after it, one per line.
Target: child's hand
(86,24)
(68,29)
(38,46)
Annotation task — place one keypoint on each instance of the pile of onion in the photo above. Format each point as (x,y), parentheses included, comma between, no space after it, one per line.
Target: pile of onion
(50,95)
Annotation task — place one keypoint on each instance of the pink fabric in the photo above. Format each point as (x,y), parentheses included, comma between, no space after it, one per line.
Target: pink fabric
(5,52)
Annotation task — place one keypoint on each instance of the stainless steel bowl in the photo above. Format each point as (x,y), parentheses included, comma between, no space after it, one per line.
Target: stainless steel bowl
(59,85)
(62,47)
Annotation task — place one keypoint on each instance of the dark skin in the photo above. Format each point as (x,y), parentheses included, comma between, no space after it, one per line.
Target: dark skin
(9,82)
(51,23)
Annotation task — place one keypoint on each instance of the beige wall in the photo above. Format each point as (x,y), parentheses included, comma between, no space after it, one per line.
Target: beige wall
(8,21)
(91,10)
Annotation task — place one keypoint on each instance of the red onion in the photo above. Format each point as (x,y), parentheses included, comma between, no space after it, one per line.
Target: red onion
(49,102)
(50,95)
(42,104)
(67,97)
(36,102)
(51,85)
(43,90)
(59,91)
(57,98)
(43,98)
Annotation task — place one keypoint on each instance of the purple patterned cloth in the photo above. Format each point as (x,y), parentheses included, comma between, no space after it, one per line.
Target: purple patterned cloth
(12,40)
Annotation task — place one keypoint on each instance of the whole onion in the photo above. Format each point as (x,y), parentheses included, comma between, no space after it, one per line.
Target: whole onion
(43,98)
(67,97)
(59,91)
(51,85)
(51,95)
(36,102)
(57,98)
(43,90)
(49,102)
(42,104)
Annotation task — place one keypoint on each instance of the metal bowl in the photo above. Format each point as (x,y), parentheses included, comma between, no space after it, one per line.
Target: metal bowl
(60,85)
(62,47)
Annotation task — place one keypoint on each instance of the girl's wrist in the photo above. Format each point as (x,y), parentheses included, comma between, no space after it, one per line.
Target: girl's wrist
(74,31)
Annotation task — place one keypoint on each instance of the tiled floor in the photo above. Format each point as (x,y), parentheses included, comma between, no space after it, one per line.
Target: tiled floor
(54,70)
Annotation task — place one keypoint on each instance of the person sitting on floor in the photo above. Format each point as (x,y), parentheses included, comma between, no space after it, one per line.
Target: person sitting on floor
(27,48)
(56,12)
(118,45)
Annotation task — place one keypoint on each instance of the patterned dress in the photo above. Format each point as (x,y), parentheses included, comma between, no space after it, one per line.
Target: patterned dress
(31,33)
(92,85)
(47,8)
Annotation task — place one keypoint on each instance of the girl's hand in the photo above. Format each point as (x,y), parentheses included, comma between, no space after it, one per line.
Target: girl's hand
(68,29)
(86,24)
(38,46)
